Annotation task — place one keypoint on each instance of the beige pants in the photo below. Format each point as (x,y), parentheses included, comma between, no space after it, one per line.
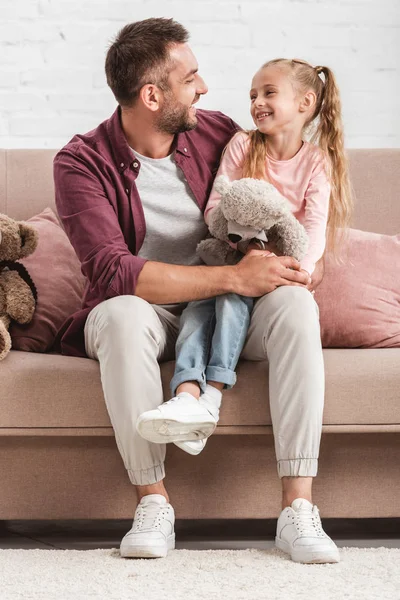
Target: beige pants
(129,337)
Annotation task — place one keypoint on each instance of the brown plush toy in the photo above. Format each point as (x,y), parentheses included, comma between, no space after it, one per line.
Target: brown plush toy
(18,293)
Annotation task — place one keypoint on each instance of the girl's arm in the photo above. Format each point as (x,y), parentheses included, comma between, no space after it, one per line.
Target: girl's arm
(231,165)
(316,216)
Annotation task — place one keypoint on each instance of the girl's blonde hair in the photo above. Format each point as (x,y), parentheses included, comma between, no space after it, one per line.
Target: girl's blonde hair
(328,135)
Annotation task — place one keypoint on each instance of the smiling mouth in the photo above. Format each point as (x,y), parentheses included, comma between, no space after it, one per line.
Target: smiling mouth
(195,102)
(263,115)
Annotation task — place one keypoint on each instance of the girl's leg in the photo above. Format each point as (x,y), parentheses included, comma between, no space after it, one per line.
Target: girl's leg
(219,386)
(184,418)
(193,347)
(232,321)
(191,387)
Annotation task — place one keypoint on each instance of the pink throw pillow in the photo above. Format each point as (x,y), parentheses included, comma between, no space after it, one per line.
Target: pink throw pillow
(55,270)
(359,301)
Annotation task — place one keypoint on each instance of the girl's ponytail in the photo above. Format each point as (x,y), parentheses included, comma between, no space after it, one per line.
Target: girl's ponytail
(329,136)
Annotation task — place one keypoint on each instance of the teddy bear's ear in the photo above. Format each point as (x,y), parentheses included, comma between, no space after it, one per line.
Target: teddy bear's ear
(29,239)
(222,184)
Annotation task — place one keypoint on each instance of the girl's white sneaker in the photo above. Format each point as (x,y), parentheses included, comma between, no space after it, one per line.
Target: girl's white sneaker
(194,447)
(181,419)
(299,533)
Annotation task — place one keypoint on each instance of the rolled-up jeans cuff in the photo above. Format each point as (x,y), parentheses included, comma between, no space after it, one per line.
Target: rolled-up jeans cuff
(147,476)
(221,376)
(188,375)
(298,467)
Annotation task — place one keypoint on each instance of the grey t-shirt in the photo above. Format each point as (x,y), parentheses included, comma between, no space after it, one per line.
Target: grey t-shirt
(174,221)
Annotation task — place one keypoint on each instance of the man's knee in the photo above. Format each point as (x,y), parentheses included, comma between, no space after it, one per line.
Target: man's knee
(294,305)
(125,314)
(295,297)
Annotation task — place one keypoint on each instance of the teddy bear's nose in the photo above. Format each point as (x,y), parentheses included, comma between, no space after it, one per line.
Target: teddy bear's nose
(234,237)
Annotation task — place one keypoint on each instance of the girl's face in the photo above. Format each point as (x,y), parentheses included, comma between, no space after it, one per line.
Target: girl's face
(274,103)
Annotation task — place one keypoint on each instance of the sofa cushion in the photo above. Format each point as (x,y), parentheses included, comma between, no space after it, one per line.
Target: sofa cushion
(359,301)
(55,270)
(50,390)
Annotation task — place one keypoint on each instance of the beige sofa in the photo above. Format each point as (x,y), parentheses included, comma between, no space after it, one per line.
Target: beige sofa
(58,456)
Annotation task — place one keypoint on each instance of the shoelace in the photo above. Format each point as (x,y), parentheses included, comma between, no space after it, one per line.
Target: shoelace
(149,518)
(308,524)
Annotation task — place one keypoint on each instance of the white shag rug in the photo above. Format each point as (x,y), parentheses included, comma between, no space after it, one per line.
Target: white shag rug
(362,574)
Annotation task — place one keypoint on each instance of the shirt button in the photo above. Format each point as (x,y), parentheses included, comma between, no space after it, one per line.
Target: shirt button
(127,191)
(135,164)
(185,149)
(122,165)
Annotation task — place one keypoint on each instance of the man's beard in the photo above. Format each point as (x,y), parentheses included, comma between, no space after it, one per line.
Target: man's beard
(175,117)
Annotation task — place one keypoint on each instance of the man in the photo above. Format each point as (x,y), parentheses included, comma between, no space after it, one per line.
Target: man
(131,195)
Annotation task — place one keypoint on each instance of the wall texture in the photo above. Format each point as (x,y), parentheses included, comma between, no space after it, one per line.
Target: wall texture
(52,81)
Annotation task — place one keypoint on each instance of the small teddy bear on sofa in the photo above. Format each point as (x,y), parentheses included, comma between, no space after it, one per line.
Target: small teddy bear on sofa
(18,293)
(251,210)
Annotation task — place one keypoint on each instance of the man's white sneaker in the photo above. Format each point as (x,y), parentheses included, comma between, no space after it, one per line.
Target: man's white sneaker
(194,447)
(299,533)
(183,418)
(152,533)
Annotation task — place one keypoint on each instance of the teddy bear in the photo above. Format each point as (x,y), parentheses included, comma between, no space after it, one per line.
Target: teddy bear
(18,293)
(251,210)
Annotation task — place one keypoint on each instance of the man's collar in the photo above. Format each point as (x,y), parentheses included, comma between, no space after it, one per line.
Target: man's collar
(181,144)
(120,147)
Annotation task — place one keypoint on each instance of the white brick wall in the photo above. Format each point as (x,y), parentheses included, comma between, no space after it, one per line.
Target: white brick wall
(52,81)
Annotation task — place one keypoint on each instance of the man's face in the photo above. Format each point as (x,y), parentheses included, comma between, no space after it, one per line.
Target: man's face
(185,88)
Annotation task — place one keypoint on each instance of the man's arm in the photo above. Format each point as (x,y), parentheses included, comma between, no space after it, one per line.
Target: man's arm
(255,275)
(93,229)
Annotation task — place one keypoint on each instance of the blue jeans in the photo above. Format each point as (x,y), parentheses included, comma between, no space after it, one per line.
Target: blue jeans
(211,337)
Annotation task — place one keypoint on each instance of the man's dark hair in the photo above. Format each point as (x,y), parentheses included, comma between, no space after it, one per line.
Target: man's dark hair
(140,55)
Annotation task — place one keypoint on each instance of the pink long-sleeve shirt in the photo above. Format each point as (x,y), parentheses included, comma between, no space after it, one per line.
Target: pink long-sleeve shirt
(302,180)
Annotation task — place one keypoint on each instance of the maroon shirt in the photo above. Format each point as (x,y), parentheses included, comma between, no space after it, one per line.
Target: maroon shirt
(101,211)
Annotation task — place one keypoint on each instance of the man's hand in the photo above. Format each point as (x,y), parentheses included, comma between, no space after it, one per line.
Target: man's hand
(258,274)
(316,276)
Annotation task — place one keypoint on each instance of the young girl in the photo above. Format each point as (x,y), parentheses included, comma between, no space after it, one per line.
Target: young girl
(287,97)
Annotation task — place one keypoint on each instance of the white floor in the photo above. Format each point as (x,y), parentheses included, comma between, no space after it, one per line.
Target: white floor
(191,535)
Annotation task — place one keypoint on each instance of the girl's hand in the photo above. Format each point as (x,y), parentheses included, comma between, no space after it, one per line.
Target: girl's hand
(317,275)
(246,247)
(309,285)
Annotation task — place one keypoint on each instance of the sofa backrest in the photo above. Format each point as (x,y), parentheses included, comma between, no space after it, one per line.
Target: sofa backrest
(26,186)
